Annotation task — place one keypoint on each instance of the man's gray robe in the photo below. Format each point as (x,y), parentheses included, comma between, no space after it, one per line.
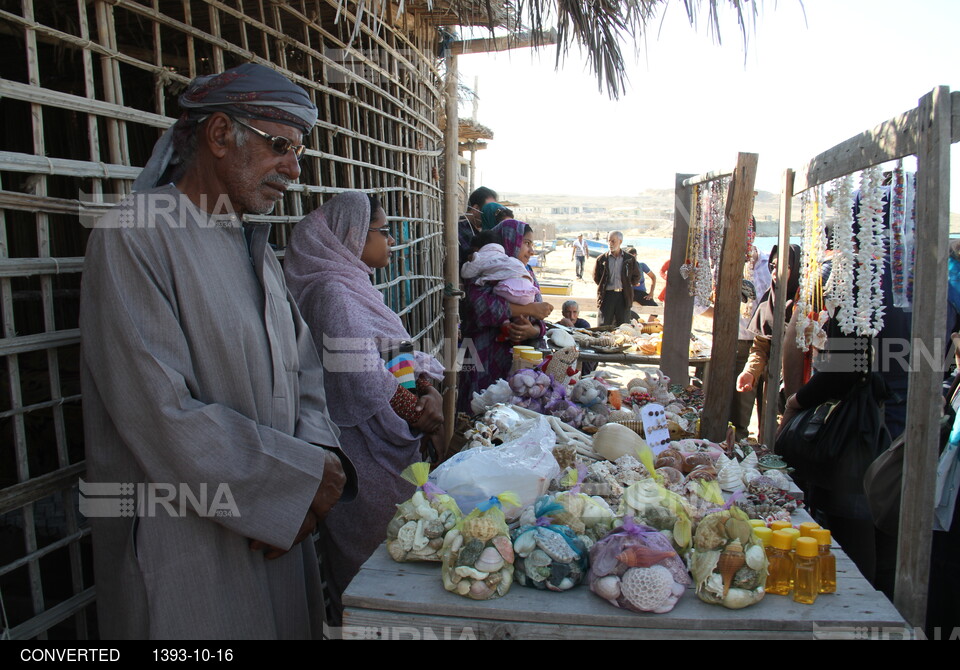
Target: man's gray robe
(197,369)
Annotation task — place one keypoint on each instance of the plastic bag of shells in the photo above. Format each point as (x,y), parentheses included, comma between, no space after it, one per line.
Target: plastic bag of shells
(588,516)
(417,530)
(548,556)
(636,568)
(728,562)
(478,555)
(661,509)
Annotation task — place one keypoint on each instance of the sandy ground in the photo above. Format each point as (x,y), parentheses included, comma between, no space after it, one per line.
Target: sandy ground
(560,266)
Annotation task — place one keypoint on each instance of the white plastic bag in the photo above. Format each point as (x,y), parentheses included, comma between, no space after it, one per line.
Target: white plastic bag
(524,464)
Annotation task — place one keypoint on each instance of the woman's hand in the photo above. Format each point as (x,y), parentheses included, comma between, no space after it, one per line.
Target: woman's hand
(535,310)
(431,418)
(522,330)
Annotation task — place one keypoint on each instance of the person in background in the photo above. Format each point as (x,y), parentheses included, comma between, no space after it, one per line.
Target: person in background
(615,274)
(470,222)
(640,293)
(571,319)
(492,214)
(579,254)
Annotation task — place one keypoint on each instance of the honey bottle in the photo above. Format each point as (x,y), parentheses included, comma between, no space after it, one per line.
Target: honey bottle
(828,562)
(780,568)
(806,581)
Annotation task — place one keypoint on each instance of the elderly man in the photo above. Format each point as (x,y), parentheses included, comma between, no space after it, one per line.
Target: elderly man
(615,274)
(202,389)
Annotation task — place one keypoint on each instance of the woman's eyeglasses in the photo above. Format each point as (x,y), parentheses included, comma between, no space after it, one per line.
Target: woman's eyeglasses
(281,145)
(383,231)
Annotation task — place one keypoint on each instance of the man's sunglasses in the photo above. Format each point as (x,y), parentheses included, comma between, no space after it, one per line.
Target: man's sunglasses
(281,145)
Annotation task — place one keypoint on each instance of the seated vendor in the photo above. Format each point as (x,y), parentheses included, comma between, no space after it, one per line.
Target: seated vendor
(571,314)
(571,319)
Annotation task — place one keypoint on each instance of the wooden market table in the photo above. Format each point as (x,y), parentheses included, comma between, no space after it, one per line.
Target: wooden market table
(390,600)
(700,363)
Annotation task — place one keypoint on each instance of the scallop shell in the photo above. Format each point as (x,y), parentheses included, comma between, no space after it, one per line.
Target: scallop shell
(731,560)
(525,543)
(504,547)
(490,560)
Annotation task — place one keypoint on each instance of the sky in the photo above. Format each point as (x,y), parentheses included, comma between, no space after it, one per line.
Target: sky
(813,74)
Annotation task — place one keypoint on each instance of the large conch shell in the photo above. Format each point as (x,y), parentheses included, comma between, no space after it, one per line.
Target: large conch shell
(731,560)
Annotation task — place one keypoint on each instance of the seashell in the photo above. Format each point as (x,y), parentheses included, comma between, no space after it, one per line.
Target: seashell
(481,528)
(396,523)
(642,494)
(671,476)
(433,529)
(504,547)
(607,587)
(419,539)
(406,535)
(490,560)
(525,543)
(739,598)
(705,472)
(506,579)
(756,557)
(480,591)
(640,556)
(566,584)
(537,573)
(750,474)
(691,461)
(463,588)
(722,462)
(730,477)
(731,560)
(647,589)
(538,559)
(780,480)
(467,572)
(750,460)
(395,549)
(669,459)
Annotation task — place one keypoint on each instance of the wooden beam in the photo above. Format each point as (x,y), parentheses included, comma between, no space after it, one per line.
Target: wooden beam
(713,175)
(678,307)
(928,330)
(892,139)
(488,44)
(720,385)
(451,202)
(771,387)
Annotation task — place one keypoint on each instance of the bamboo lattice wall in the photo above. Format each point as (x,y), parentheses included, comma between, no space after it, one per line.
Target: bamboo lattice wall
(86,87)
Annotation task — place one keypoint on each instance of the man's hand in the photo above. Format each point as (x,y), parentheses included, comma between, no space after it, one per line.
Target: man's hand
(566,322)
(431,418)
(745,382)
(327,495)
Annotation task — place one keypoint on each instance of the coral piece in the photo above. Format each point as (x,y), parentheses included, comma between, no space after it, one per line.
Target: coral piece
(648,589)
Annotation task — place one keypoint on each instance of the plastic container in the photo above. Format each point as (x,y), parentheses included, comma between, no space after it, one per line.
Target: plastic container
(807,527)
(780,569)
(828,562)
(806,580)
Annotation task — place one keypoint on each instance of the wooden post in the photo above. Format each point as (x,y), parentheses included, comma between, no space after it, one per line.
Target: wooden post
(678,308)
(451,300)
(928,330)
(774,365)
(719,385)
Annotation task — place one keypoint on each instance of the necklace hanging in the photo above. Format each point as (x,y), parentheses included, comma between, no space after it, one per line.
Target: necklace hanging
(870,255)
(839,289)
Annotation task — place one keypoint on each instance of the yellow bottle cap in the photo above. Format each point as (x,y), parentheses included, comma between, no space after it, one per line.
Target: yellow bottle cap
(794,534)
(779,525)
(534,356)
(808,526)
(781,540)
(763,534)
(821,535)
(807,547)
(519,349)
(757,523)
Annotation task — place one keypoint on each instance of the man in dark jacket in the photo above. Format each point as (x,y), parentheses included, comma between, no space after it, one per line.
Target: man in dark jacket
(615,274)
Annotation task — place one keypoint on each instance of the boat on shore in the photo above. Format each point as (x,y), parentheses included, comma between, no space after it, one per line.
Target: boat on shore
(596,247)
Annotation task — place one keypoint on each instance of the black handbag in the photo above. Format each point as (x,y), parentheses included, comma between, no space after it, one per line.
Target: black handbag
(819,435)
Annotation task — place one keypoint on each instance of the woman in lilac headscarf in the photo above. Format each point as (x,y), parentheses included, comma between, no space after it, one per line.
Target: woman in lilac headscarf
(487,353)
(329,262)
